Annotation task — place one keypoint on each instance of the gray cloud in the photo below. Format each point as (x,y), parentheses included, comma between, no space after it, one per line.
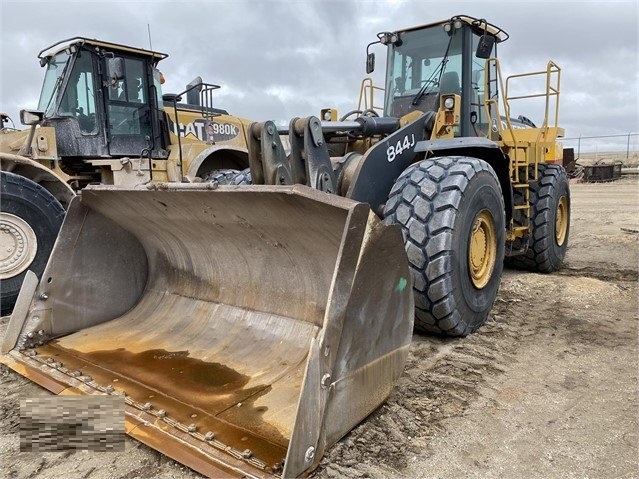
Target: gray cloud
(276,60)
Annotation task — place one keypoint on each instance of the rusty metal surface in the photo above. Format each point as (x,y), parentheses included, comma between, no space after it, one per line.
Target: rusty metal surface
(246,325)
(602,172)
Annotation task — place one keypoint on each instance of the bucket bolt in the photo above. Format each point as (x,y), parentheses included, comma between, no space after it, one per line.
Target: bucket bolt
(246,453)
(310,454)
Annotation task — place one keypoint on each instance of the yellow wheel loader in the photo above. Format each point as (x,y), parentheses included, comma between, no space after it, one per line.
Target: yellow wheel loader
(250,326)
(102,118)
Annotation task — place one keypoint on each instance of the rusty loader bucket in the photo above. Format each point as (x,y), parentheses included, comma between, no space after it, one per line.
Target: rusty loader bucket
(248,327)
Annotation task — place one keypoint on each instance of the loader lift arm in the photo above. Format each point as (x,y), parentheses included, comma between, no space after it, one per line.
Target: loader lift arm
(367,178)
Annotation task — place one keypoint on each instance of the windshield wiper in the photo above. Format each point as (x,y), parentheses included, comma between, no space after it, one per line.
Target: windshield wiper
(440,69)
(429,83)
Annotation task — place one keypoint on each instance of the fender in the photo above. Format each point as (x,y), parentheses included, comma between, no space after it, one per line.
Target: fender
(38,173)
(384,162)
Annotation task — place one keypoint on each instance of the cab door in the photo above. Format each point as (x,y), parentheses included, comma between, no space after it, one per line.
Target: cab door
(128,111)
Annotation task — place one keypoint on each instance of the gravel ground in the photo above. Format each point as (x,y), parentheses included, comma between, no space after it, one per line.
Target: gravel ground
(547,388)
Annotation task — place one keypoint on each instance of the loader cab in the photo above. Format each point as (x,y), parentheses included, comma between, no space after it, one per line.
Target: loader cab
(103,100)
(428,61)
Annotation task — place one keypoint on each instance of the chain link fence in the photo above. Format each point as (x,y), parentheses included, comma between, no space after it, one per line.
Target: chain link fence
(619,147)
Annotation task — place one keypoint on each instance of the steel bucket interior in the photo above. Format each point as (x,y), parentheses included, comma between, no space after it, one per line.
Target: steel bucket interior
(249,327)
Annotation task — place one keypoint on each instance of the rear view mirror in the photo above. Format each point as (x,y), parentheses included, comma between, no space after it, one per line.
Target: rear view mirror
(370,63)
(485,46)
(31,117)
(115,69)
(193,91)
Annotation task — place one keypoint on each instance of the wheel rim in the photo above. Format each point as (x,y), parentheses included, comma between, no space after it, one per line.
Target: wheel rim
(18,245)
(561,221)
(482,250)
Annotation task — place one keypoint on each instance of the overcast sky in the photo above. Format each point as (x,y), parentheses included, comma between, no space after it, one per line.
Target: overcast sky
(280,59)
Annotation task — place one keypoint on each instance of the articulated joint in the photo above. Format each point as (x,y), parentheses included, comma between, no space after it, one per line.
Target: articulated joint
(308,163)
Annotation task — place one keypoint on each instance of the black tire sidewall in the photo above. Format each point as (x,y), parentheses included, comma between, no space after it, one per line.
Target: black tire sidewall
(559,187)
(43,213)
(481,194)
(543,254)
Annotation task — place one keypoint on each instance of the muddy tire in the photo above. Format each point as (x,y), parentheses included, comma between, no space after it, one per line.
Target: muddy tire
(221,177)
(451,212)
(242,178)
(228,177)
(550,221)
(30,219)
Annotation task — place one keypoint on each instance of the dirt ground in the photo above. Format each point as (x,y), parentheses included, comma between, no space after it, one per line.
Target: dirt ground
(548,388)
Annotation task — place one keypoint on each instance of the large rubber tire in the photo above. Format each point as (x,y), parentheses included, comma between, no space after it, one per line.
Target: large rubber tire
(550,221)
(221,177)
(229,177)
(30,219)
(243,178)
(444,204)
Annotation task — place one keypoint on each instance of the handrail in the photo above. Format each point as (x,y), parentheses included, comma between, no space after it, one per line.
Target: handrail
(551,90)
(552,72)
(552,75)
(206,104)
(367,95)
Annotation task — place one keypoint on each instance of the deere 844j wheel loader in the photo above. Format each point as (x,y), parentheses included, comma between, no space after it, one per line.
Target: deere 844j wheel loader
(251,326)
(102,118)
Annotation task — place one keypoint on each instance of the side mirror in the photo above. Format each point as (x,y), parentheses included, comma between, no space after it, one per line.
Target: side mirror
(370,63)
(31,117)
(485,46)
(115,70)
(193,91)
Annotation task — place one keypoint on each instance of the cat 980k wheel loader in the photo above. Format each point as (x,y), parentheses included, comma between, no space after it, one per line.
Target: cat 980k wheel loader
(101,118)
(250,326)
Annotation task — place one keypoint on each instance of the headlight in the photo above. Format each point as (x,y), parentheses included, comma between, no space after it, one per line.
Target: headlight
(449,103)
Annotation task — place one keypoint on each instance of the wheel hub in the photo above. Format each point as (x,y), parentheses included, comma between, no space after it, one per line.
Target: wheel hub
(482,250)
(18,245)
(561,221)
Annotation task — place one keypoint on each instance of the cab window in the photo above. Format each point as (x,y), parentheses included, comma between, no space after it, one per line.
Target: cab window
(78,100)
(127,108)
